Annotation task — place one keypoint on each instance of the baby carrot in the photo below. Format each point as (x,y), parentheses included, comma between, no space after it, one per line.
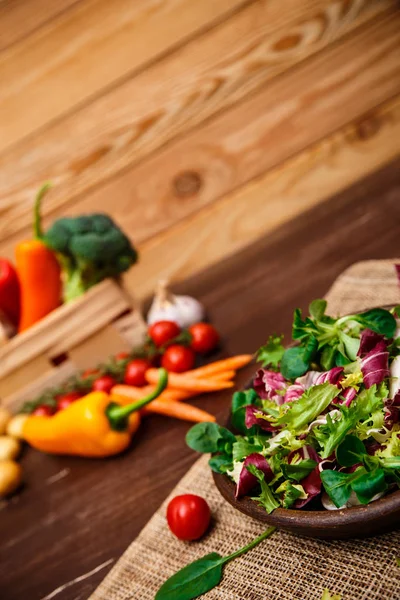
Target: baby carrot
(185,382)
(227,364)
(179,410)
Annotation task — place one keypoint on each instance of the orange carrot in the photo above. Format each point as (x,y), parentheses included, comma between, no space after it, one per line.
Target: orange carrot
(220,366)
(184,382)
(179,410)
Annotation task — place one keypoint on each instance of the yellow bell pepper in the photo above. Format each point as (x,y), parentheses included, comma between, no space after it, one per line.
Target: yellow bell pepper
(92,426)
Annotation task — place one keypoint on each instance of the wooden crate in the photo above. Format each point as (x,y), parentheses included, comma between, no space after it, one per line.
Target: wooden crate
(75,336)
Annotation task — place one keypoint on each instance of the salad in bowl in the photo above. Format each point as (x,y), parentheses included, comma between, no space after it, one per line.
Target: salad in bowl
(320,422)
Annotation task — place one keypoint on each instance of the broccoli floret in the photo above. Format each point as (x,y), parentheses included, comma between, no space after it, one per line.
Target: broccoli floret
(89,248)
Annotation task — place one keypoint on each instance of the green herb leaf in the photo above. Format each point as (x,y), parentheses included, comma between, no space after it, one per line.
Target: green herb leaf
(397,559)
(193,580)
(327,596)
(239,402)
(266,499)
(317,309)
(208,437)
(291,492)
(350,452)
(348,346)
(297,471)
(378,320)
(337,485)
(220,463)
(328,357)
(270,355)
(293,363)
(369,484)
(203,574)
(244,446)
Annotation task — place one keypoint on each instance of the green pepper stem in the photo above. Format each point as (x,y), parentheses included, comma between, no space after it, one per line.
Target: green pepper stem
(118,415)
(37,219)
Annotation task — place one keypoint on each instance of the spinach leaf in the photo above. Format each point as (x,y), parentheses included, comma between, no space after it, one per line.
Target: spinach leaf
(293,363)
(203,574)
(193,580)
(238,416)
(270,355)
(369,484)
(378,320)
(209,437)
(220,463)
(351,451)
(337,485)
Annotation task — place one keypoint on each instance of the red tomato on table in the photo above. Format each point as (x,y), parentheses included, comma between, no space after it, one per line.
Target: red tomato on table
(65,400)
(104,384)
(204,337)
(163,332)
(44,410)
(135,372)
(178,359)
(188,516)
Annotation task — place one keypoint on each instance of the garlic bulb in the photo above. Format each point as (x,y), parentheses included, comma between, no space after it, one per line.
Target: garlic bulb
(183,310)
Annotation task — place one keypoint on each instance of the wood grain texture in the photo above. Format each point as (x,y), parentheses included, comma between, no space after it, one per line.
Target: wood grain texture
(88,48)
(19,18)
(257,208)
(95,508)
(209,74)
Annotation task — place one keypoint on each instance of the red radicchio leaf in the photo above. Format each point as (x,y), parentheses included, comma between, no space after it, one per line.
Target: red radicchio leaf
(293,392)
(397,267)
(267,383)
(251,419)
(312,483)
(312,487)
(247,481)
(374,365)
(333,376)
(368,341)
(392,410)
(348,394)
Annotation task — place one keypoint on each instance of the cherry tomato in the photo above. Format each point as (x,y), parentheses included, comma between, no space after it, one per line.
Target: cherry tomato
(163,331)
(204,337)
(121,356)
(188,516)
(104,384)
(65,400)
(178,358)
(135,372)
(90,373)
(44,410)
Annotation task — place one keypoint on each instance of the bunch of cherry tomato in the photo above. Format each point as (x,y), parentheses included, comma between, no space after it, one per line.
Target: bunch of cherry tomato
(167,345)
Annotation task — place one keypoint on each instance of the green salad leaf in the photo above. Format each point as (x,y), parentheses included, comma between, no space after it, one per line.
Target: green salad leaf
(270,355)
(297,471)
(297,415)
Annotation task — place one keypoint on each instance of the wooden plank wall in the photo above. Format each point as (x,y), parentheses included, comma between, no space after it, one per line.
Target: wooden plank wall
(200,126)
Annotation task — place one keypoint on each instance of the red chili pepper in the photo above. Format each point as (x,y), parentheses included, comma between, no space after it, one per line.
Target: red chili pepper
(9,291)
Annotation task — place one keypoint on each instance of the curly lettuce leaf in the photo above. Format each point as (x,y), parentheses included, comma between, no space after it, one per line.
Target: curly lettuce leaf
(270,355)
(296,415)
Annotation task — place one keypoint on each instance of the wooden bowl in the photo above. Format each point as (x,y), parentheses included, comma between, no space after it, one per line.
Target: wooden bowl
(378,517)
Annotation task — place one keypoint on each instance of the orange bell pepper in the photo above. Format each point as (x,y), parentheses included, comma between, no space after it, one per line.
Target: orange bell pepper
(92,426)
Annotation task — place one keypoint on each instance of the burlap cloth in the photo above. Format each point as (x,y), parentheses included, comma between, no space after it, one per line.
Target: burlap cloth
(284,567)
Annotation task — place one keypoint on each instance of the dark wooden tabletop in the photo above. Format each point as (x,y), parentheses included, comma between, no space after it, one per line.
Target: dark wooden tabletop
(75,517)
